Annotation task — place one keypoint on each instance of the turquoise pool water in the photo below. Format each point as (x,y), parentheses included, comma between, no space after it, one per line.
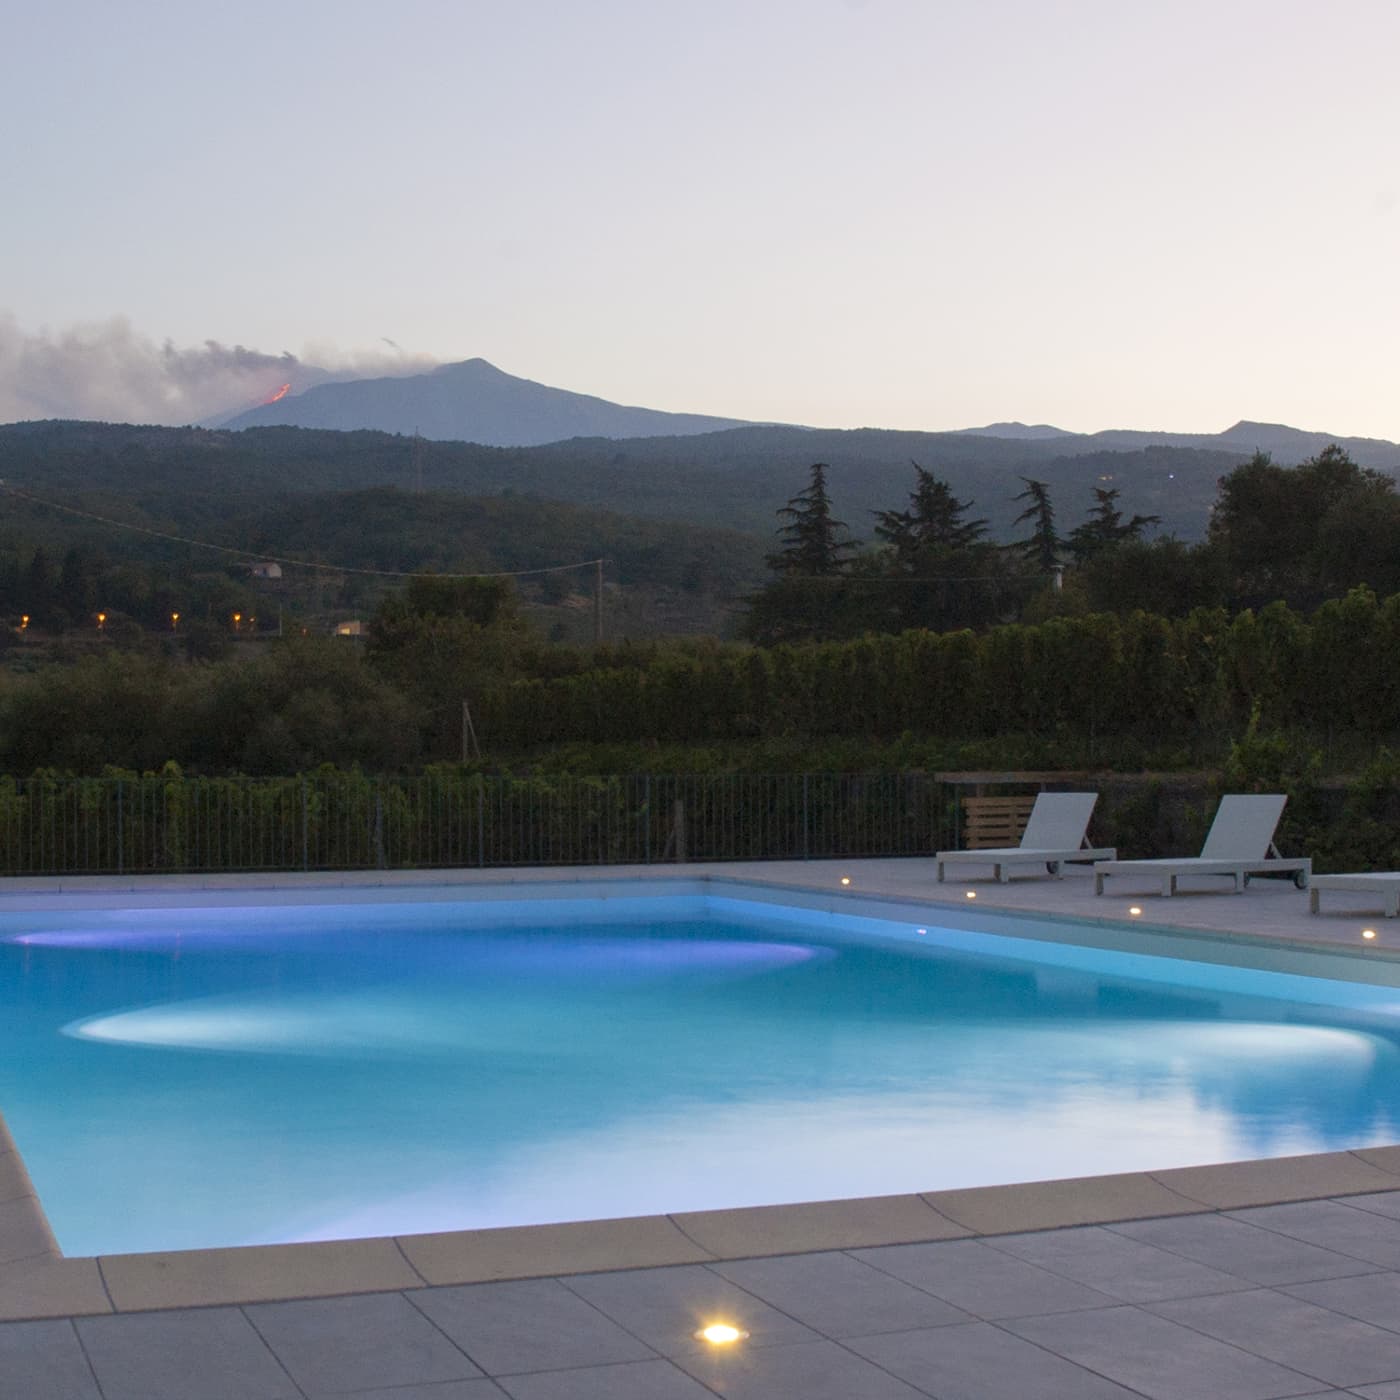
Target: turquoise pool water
(191,1077)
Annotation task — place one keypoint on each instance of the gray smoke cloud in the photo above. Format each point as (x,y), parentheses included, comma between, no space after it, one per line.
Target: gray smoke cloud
(108,372)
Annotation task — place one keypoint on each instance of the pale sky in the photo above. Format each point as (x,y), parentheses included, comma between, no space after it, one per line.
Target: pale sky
(1096,213)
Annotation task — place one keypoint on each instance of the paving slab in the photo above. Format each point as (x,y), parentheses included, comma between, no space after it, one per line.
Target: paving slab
(446,1390)
(666,1307)
(1248,1252)
(839,1296)
(978,1361)
(197,1354)
(1337,1351)
(331,1345)
(1386,1203)
(986,1282)
(1123,1268)
(1371,1297)
(44,1360)
(813,1370)
(1160,1358)
(533,1325)
(632,1380)
(1334,1225)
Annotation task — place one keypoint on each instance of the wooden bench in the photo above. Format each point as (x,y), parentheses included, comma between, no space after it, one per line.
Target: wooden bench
(990,823)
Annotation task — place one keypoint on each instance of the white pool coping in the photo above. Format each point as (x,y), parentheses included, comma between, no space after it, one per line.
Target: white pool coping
(1269,926)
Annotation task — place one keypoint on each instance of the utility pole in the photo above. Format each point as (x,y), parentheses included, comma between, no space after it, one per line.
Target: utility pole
(470,747)
(597,602)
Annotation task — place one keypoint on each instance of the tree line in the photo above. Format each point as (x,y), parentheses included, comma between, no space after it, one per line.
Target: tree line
(1297,534)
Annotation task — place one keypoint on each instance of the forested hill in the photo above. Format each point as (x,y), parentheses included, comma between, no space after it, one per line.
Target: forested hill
(735,479)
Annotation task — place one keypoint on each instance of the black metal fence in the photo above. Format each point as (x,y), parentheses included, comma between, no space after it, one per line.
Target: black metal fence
(163,823)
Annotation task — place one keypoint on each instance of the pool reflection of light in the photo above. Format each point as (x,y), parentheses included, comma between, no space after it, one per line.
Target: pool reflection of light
(408,1020)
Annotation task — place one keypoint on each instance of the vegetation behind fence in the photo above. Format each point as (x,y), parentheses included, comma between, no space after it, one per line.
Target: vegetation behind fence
(169,822)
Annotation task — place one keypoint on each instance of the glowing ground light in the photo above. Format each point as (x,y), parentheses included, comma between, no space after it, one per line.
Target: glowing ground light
(972,894)
(1368,933)
(720,1334)
(845,879)
(1135,910)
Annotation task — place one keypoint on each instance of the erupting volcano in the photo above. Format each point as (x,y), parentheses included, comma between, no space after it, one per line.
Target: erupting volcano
(280,394)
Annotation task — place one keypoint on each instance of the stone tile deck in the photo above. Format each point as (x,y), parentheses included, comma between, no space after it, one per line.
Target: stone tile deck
(1269,1279)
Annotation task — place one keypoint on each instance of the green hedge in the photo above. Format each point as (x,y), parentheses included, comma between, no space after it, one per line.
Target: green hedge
(1095,678)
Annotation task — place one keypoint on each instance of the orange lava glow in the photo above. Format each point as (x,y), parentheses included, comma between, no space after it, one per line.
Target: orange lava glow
(280,394)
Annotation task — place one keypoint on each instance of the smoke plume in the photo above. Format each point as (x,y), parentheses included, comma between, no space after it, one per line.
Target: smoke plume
(107,372)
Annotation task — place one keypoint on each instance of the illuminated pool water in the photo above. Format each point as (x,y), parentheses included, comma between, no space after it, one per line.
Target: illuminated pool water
(181,1077)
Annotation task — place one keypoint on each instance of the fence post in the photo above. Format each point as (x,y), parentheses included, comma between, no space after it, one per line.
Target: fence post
(121,854)
(305,825)
(646,818)
(806,817)
(379,860)
(481,821)
(678,829)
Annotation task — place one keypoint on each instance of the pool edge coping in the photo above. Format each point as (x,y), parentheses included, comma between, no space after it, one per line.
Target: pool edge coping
(51,1285)
(38,1281)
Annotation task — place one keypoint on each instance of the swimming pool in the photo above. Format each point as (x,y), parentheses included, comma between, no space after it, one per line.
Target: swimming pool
(276,1070)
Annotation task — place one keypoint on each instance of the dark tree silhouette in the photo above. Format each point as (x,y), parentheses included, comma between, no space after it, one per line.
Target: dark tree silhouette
(1105,526)
(1043,547)
(815,543)
(933,521)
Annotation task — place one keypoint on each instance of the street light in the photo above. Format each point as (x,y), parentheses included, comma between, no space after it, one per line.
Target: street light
(174,621)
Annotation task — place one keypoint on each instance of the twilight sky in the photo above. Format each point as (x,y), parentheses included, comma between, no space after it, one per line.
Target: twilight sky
(896,213)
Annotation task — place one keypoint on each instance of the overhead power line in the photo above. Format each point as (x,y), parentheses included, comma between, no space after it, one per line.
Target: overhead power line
(280,559)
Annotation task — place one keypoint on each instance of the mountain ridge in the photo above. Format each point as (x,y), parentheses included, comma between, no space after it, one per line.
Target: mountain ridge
(475,401)
(471,401)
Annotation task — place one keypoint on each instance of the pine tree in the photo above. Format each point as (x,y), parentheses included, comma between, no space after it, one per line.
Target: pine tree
(1043,547)
(933,522)
(813,543)
(1105,527)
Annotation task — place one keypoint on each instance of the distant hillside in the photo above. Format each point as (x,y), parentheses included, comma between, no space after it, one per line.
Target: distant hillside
(1288,446)
(471,401)
(736,479)
(1019,432)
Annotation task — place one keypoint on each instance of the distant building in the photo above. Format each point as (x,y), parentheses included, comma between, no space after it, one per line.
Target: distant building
(265,571)
(349,629)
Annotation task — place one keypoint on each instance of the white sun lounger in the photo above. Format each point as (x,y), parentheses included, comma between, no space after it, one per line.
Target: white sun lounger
(1240,843)
(1385,883)
(1056,832)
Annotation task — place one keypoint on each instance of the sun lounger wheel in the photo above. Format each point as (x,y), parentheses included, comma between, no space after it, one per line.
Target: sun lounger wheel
(1300,879)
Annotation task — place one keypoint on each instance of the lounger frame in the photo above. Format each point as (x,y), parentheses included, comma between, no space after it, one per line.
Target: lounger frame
(1056,814)
(1239,844)
(1384,883)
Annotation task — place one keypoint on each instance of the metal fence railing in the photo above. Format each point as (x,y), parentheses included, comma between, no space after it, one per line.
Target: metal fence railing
(162,823)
